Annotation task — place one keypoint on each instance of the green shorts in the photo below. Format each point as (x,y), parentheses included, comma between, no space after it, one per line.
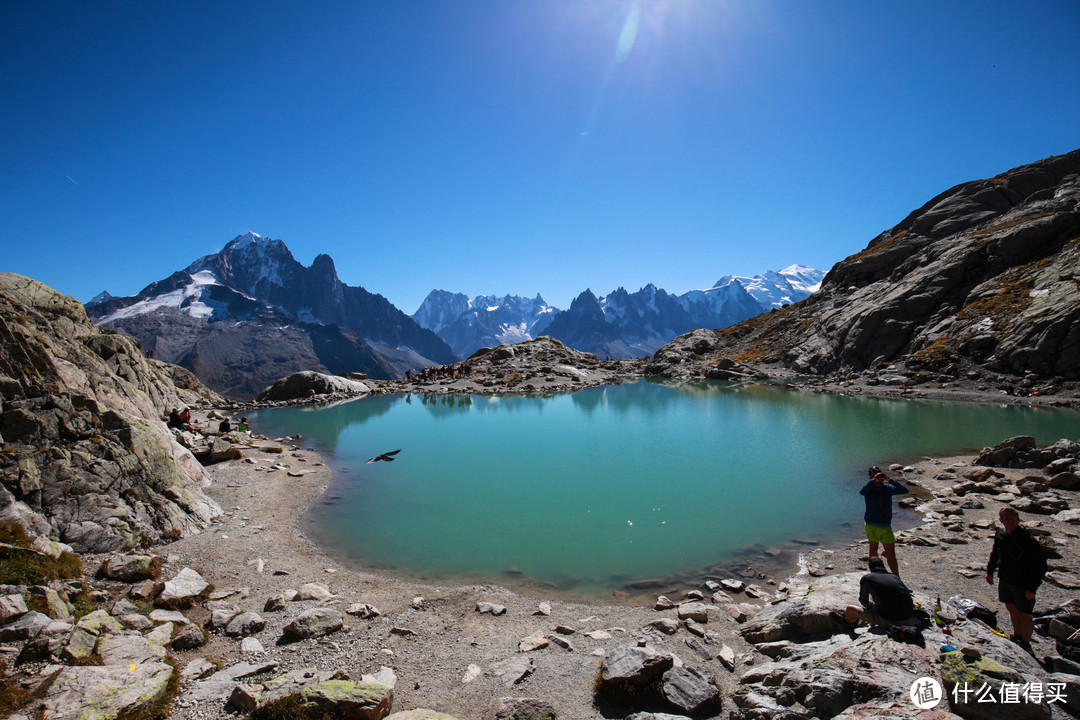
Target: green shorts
(880,533)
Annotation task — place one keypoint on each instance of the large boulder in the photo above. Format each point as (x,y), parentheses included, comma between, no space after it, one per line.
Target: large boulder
(308,384)
(968,682)
(690,690)
(821,679)
(182,590)
(630,666)
(107,691)
(814,608)
(317,694)
(313,623)
(131,568)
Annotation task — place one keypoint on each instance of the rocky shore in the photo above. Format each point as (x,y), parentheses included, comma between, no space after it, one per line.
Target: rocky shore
(742,650)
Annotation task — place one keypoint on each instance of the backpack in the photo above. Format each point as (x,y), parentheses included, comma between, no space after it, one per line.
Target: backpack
(907,634)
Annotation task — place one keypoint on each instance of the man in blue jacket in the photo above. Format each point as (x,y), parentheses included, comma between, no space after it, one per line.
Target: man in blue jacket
(878,494)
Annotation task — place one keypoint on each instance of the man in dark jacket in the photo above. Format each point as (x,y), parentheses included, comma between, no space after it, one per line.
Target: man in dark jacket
(1021,564)
(884,597)
(878,494)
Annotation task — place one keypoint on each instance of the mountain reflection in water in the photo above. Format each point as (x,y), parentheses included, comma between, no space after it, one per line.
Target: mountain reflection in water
(594,490)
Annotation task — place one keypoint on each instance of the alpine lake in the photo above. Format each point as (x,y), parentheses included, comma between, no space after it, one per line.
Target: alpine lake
(600,491)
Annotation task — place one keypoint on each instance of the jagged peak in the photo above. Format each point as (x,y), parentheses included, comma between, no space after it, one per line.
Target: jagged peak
(586,296)
(241,241)
(324,264)
(253,241)
(103,296)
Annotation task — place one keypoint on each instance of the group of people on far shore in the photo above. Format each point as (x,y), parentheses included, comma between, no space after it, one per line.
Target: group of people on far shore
(1016,557)
(180,419)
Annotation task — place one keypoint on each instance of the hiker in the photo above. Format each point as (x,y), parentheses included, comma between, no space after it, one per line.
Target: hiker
(878,494)
(884,597)
(1021,564)
(225,426)
(243,426)
(174,419)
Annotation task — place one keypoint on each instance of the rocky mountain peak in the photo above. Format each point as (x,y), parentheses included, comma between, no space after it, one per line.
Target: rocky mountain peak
(585,299)
(982,275)
(323,265)
(251,313)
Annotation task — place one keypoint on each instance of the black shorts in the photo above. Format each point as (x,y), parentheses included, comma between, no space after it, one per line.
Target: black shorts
(1016,595)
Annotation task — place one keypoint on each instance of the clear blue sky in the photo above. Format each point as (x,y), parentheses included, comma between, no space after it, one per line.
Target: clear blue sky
(517,146)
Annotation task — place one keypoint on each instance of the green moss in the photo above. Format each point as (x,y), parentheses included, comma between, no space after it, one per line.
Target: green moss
(19,565)
(15,698)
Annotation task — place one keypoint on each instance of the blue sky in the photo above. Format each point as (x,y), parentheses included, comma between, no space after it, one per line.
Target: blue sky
(509,146)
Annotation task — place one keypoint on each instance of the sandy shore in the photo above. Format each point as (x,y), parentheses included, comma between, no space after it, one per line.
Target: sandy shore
(434,639)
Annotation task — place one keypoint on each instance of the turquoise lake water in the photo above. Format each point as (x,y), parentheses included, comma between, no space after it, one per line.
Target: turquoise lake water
(589,491)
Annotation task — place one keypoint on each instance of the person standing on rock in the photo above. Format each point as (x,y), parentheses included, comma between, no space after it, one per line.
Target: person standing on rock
(878,494)
(1021,564)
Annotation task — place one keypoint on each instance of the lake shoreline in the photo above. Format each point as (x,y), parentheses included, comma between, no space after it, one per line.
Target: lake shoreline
(431,635)
(770,563)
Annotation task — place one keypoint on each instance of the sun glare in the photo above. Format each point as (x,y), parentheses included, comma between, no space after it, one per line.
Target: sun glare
(628,34)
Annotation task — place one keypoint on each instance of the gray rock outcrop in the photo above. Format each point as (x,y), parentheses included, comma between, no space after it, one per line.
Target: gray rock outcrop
(811,610)
(316,693)
(308,384)
(80,411)
(984,273)
(107,691)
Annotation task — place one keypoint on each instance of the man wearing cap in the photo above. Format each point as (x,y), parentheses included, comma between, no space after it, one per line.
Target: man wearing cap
(878,494)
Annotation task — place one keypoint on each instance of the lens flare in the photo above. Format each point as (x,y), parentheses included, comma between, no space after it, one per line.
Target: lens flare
(628,34)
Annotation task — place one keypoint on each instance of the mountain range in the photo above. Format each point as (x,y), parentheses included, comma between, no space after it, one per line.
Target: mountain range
(484,321)
(982,279)
(250,314)
(619,325)
(624,324)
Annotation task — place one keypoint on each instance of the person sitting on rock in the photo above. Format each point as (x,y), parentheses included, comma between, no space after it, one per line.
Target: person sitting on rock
(243,426)
(181,420)
(225,426)
(884,597)
(174,419)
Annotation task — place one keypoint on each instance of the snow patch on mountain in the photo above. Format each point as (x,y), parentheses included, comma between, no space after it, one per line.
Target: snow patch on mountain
(483,321)
(774,289)
(190,300)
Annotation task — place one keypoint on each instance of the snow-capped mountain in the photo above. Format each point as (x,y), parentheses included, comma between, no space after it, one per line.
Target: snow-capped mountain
(246,316)
(625,324)
(776,289)
(619,325)
(440,309)
(484,321)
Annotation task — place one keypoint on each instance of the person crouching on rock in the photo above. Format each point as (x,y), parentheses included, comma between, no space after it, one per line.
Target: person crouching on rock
(884,597)
(1021,564)
(878,494)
